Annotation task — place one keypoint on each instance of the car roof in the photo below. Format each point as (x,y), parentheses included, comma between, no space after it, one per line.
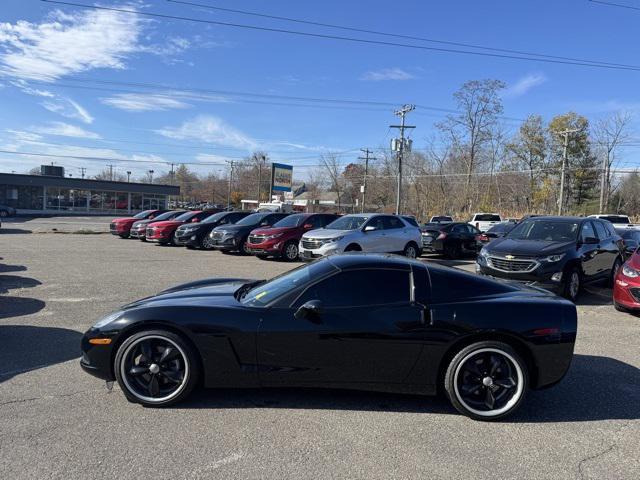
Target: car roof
(556,218)
(356,260)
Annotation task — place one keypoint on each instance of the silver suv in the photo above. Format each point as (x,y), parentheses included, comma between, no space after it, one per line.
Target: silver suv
(367,232)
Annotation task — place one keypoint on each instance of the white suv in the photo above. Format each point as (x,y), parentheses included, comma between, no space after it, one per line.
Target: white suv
(484,221)
(367,232)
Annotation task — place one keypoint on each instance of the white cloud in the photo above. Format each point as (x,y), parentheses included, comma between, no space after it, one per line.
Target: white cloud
(141,102)
(387,74)
(68,109)
(65,130)
(209,129)
(66,44)
(524,84)
(22,136)
(210,158)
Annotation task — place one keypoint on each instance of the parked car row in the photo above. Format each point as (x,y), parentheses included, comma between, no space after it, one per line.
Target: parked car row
(287,236)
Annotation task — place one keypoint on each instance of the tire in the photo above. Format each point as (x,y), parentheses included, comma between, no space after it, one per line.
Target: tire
(124,235)
(619,307)
(570,290)
(411,250)
(354,247)
(290,251)
(150,382)
(244,248)
(205,243)
(4,214)
(452,251)
(486,381)
(614,270)
(262,257)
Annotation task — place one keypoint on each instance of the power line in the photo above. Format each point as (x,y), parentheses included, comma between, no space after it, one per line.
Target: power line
(343,38)
(394,35)
(612,4)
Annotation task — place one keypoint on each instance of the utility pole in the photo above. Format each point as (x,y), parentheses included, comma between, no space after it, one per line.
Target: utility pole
(128,176)
(261,160)
(110,172)
(366,159)
(230,182)
(603,182)
(150,176)
(82,170)
(565,134)
(400,149)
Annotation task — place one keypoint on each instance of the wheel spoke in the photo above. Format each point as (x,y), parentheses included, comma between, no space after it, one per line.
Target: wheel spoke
(505,383)
(472,367)
(153,386)
(470,389)
(138,370)
(172,376)
(168,354)
(494,363)
(489,399)
(147,351)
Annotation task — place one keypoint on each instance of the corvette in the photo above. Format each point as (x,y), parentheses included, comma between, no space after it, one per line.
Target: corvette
(358,321)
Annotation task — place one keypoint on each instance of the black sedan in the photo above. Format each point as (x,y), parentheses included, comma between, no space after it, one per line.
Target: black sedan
(357,321)
(196,235)
(452,239)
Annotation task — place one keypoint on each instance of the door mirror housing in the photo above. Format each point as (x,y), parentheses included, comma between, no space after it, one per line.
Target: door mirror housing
(369,228)
(590,241)
(307,226)
(264,224)
(310,310)
(195,220)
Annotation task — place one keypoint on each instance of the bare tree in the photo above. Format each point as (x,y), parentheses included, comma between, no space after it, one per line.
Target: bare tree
(609,133)
(333,167)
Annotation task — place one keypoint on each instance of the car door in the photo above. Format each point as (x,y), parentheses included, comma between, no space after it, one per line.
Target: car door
(471,240)
(373,240)
(395,234)
(367,331)
(608,249)
(589,252)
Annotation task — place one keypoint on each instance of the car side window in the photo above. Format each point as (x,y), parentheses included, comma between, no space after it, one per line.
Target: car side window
(610,228)
(601,231)
(316,220)
(376,222)
(459,229)
(587,231)
(391,223)
(357,288)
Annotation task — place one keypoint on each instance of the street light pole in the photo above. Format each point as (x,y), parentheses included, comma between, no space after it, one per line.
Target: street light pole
(565,133)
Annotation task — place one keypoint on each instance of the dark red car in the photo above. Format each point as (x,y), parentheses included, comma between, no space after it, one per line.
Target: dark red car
(122,226)
(281,240)
(163,232)
(626,287)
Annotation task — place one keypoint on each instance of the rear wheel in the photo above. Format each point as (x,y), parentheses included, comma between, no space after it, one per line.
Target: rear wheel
(572,284)
(486,380)
(410,250)
(156,368)
(290,251)
(453,250)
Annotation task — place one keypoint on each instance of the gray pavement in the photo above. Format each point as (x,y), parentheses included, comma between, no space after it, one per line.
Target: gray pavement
(57,422)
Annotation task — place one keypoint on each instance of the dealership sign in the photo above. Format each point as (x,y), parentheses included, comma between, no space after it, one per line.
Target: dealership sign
(281,177)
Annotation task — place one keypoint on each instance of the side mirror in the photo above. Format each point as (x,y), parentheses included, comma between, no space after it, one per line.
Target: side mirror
(369,228)
(195,220)
(307,225)
(310,310)
(590,241)
(264,224)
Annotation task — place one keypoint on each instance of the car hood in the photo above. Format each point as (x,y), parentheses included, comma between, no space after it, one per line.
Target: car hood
(327,233)
(235,228)
(213,290)
(532,248)
(124,219)
(167,223)
(272,231)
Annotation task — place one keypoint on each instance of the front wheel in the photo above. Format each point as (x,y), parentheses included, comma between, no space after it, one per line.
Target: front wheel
(486,381)
(572,283)
(206,243)
(290,252)
(156,368)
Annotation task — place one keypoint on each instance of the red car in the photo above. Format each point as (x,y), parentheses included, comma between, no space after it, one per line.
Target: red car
(122,226)
(626,288)
(163,232)
(281,240)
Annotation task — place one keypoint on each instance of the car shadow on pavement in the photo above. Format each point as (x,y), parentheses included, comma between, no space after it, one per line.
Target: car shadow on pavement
(9,231)
(11,282)
(26,348)
(11,268)
(594,295)
(596,388)
(17,307)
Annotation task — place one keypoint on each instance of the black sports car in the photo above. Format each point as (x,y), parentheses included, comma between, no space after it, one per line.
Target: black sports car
(358,321)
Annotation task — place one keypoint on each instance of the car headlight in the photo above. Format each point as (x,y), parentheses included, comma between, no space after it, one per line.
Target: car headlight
(334,239)
(627,271)
(108,319)
(553,258)
(271,237)
(483,253)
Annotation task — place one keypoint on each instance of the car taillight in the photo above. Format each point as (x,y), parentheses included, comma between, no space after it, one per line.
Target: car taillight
(483,238)
(442,235)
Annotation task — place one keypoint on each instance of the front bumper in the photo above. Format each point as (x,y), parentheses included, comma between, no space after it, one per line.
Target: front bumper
(116,229)
(626,294)
(271,247)
(547,276)
(226,244)
(322,251)
(97,360)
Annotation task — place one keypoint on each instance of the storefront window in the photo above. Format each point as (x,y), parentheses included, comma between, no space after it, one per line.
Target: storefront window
(53,198)
(97,200)
(122,201)
(136,202)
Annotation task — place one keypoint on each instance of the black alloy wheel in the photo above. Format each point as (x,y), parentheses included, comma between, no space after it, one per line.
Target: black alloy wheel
(156,368)
(486,380)
(290,251)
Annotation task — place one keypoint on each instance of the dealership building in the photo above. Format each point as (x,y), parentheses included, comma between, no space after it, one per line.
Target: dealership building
(55,193)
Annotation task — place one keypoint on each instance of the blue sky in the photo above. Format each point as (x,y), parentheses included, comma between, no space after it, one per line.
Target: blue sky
(62,71)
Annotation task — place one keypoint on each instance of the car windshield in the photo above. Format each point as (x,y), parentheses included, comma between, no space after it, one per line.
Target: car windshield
(441,219)
(291,221)
(545,230)
(411,221)
(631,235)
(264,293)
(252,219)
(165,216)
(616,218)
(144,214)
(347,222)
(214,218)
(185,217)
(488,218)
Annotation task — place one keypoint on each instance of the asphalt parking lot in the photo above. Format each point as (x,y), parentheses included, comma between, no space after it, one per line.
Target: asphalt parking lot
(58,422)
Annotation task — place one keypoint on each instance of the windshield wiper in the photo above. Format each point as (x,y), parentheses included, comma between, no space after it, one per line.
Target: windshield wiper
(246,288)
